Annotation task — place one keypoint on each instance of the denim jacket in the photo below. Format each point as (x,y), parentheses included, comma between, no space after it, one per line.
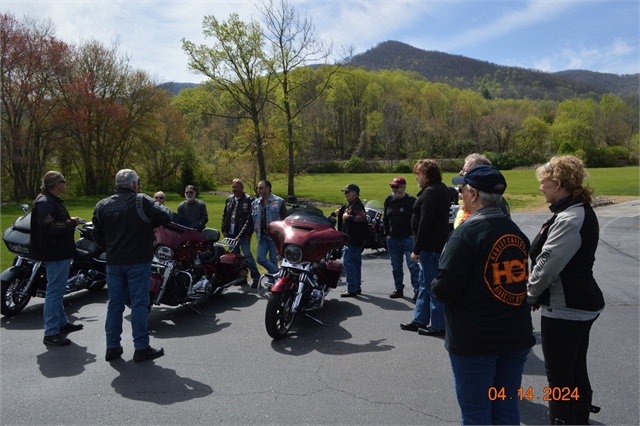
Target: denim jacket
(275,207)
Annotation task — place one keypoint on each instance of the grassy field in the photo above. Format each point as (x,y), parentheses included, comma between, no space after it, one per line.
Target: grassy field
(522,193)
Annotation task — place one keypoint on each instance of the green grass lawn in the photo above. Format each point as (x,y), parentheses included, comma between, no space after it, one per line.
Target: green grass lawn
(522,193)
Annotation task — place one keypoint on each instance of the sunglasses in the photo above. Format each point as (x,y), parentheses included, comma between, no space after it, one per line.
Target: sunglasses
(159,198)
(188,192)
(394,186)
(461,189)
(261,187)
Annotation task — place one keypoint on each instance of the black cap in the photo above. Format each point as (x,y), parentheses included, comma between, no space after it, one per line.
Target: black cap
(483,178)
(351,187)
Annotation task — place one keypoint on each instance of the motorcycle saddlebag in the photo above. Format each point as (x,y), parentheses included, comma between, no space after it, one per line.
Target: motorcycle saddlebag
(332,273)
(233,264)
(17,241)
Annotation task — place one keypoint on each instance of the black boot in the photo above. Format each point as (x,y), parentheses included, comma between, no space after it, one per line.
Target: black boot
(562,414)
(584,408)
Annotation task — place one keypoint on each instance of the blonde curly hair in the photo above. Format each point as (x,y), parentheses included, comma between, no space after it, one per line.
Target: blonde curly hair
(570,172)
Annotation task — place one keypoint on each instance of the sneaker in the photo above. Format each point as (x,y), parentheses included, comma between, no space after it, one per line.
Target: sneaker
(70,328)
(113,353)
(147,353)
(397,294)
(56,340)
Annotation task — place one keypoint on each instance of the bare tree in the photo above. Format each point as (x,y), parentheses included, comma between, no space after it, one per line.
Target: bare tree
(294,45)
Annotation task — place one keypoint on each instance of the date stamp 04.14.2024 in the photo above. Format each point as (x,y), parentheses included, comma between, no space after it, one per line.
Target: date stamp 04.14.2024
(548,394)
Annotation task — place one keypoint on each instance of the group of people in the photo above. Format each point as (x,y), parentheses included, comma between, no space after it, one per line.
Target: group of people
(476,285)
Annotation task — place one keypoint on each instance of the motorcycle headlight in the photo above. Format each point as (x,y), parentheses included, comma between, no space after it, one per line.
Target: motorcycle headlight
(164,253)
(293,253)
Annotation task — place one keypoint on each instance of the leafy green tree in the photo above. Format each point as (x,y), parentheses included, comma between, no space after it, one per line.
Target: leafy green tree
(609,124)
(235,65)
(573,123)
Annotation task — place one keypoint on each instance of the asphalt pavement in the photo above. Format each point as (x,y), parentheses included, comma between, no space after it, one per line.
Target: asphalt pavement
(221,367)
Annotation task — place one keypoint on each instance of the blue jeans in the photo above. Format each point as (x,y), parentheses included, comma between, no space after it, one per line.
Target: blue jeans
(267,245)
(352,261)
(474,375)
(246,251)
(397,248)
(128,281)
(427,307)
(57,276)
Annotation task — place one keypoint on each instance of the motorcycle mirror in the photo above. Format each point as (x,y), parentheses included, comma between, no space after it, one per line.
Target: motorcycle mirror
(25,208)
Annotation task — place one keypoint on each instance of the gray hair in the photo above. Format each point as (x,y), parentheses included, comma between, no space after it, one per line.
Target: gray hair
(125,178)
(489,200)
(239,182)
(477,159)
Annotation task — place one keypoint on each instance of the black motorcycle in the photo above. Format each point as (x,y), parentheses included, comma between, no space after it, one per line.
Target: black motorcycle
(377,240)
(27,277)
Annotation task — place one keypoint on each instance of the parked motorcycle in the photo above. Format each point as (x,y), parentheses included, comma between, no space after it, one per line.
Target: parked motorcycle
(377,240)
(310,247)
(27,277)
(190,265)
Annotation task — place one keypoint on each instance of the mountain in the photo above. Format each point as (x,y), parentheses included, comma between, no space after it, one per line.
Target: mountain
(494,80)
(175,88)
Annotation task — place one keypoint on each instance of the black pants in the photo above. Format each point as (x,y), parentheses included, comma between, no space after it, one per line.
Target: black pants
(564,345)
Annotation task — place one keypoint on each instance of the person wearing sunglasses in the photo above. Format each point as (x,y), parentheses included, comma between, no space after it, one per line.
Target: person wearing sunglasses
(265,209)
(159,197)
(396,220)
(236,224)
(192,209)
(52,241)
(352,220)
(482,281)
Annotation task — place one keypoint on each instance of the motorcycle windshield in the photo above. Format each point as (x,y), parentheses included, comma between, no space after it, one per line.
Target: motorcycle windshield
(374,205)
(309,214)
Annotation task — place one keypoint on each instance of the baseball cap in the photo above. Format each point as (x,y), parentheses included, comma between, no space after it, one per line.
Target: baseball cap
(351,187)
(484,178)
(399,181)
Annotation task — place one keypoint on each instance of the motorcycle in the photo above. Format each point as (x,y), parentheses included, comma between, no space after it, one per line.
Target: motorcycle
(189,265)
(377,240)
(27,277)
(310,247)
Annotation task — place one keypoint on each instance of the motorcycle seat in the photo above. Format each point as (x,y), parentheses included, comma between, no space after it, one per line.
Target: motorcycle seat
(86,249)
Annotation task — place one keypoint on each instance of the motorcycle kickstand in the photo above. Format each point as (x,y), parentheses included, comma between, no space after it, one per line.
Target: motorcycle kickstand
(315,319)
(196,310)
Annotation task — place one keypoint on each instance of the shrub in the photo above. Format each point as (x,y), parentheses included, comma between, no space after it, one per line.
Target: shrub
(356,165)
(402,168)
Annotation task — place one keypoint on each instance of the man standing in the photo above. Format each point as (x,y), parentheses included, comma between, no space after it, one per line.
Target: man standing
(52,242)
(352,220)
(264,210)
(192,209)
(237,213)
(123,226)
(397,228)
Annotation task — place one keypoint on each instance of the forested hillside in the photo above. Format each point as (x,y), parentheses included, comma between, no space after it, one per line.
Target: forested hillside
(493,80)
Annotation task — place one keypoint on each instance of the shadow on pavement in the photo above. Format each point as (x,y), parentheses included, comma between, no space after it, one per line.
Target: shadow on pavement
(146,381)
(64,361)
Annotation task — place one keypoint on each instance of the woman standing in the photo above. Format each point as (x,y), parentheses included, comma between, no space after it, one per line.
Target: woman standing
(482,282)
(563,287)
(430,228)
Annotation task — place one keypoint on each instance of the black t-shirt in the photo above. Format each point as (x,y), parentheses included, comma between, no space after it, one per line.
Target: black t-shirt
(483,283)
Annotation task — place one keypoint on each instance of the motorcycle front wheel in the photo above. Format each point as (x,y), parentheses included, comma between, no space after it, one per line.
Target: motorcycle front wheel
(279,315)
(13,301)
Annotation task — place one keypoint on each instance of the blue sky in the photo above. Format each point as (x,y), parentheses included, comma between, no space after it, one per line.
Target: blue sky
(547,35)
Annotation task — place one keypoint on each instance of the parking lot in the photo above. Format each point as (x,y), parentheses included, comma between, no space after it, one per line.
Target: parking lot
(221,367)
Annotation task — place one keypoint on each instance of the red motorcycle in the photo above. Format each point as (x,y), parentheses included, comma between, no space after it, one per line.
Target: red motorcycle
(189,265)
(309,247)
